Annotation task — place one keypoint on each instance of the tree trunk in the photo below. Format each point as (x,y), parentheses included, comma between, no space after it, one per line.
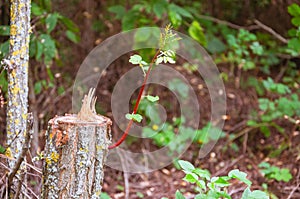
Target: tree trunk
(17,68)
(75,153)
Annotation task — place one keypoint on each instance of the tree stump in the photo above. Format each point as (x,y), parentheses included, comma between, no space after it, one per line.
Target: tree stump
(75,153)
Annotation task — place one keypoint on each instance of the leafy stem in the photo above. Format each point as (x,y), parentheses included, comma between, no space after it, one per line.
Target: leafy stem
(160,56)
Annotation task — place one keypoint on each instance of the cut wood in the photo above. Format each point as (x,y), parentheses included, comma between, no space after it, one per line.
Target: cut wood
(75,153)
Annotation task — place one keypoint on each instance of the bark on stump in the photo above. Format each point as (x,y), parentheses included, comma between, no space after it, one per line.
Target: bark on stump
(75,153)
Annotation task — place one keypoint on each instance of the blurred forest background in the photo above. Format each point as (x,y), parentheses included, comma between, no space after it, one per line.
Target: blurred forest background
(256,46)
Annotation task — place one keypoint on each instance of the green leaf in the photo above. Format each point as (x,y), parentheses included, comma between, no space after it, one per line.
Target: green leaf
(265,130)
(135,59)
(72,36)
(202,173)
(159,8)
(256,48)
(239,175)
(215,45)
(251,123)
(4,48)
(152,98)
(175,18)
(51,22)
(294,9)
(196,32)
(296,21)
(4,30)
(70,25)
(38,87)
(186,166)
(135,117)
(104,195)
(179,10)
(39,50)
(191,178)
(256,194)
(119,10)
(36,10)
(2,149)
(221,181)
(179,195)
(48,47)
(129,19)
(177,85)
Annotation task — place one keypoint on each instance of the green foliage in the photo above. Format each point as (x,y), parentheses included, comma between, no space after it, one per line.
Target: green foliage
(134,117)
(244,49)
(178,86)
(104,195)
(294,33)
(216,187)
(196,32)
(274,172)
(152,98)
(2,149)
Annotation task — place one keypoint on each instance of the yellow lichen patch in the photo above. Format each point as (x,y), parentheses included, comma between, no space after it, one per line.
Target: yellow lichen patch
(21,5)
(9,133)
(17,121)
(84,150)
(54,156)
(8,152)
(13,30)
(48,161)
(13,73)
(16,52)
(24,116)
(15,90)
(12,42)
(99,147)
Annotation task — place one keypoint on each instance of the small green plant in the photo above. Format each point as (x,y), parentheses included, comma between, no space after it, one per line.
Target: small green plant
(244,49)
(274,172)
(163,54)
(216,187)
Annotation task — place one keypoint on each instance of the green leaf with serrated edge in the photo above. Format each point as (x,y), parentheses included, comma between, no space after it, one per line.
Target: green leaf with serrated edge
(135,117)
(152,98)
(135,59)
(239,175)
(186,166)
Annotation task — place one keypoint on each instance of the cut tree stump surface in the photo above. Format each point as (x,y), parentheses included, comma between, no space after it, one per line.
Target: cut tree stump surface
(75,153)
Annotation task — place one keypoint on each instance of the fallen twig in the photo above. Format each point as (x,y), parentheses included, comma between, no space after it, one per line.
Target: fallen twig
(296,187)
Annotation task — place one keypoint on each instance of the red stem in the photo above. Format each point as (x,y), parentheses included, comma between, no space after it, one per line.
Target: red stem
(136,104)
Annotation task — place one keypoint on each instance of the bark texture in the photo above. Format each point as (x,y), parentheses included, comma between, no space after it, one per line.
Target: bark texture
(74,157)
(17,68)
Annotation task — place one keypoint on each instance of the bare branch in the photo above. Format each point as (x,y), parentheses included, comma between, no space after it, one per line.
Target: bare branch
(271,31)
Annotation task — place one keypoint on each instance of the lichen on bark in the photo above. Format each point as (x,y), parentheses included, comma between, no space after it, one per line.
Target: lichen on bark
(75,152)
(18,80)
